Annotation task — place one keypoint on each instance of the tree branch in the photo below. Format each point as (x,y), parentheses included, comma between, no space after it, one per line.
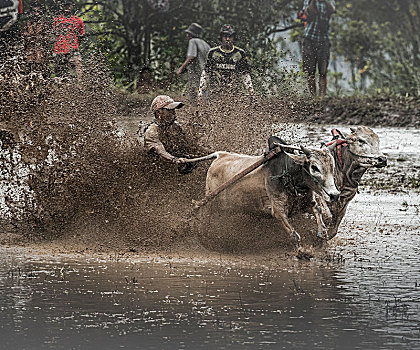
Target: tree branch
(284,29)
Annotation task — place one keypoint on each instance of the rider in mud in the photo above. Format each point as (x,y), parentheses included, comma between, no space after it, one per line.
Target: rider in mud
(69,29)
(165,137)
(225,65)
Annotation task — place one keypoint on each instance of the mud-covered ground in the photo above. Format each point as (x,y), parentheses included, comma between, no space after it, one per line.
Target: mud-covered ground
(368,110)
(85,183)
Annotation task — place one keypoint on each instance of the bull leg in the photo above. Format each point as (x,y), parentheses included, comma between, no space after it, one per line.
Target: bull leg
(333,229)
(278,210)
(325,211)
(322,229)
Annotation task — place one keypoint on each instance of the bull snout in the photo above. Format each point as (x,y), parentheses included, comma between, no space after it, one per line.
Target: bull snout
(334,197)
(382,162)
(331,195)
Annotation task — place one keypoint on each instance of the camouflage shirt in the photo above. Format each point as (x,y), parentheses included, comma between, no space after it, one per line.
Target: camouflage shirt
(223,67)
(172,138)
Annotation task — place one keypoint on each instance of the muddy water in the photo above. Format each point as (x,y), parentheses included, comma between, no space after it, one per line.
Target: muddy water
(362,293)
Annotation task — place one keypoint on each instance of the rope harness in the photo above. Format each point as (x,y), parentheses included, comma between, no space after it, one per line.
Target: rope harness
(340,142)
(286,177)
(266,157)
(287,180)
(339,139)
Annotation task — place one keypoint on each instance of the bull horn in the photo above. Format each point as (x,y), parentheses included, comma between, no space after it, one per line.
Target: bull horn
(305,150)
(353,129)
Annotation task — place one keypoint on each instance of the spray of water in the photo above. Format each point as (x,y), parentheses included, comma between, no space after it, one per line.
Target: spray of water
(70,170)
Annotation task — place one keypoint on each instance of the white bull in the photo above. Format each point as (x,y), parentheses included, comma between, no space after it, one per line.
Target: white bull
(286,183)
(353,155)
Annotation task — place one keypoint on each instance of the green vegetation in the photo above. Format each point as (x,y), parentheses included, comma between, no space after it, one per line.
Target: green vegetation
(377,39)
(380,41)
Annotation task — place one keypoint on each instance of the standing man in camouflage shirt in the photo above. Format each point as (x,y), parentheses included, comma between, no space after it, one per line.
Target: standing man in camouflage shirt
(196,59)
(226,64)
(316,44)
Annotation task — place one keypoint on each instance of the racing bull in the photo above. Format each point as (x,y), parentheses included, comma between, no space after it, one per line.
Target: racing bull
(282,185)
(354,154)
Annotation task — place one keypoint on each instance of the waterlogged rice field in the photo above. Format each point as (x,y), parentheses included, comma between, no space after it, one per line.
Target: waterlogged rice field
(362,292)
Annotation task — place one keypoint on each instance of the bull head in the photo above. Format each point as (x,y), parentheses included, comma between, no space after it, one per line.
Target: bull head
(364,147)
(275,141)
(320,168)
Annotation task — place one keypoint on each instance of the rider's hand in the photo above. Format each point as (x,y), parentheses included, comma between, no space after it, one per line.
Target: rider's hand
(177,160)
(181,160)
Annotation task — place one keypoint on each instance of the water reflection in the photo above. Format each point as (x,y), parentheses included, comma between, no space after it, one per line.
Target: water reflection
(364,295)
(382,277)
(166,306)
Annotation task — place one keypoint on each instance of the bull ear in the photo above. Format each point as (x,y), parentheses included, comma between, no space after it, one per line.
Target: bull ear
(353,130)
(305,150)
(273,141)
(341,134)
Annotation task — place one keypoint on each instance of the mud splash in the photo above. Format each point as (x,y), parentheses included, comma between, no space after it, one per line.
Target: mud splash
(74,168)
(86,179)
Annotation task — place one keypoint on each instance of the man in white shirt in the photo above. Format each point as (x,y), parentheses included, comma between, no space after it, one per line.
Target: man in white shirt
(196,59)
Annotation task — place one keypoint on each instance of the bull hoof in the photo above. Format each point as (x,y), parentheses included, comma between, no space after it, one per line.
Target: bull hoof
(296,237)
(304,254)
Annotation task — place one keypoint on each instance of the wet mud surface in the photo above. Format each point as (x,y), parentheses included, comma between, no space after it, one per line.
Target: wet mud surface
(96,249)
(361,292)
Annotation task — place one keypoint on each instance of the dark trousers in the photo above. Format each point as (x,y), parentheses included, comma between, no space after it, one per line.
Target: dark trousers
(315,54)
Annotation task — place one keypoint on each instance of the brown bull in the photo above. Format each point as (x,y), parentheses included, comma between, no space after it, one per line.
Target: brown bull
(284,183)
(353,155)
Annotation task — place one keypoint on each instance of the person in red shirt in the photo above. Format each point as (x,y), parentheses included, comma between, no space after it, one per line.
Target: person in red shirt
(68,29)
